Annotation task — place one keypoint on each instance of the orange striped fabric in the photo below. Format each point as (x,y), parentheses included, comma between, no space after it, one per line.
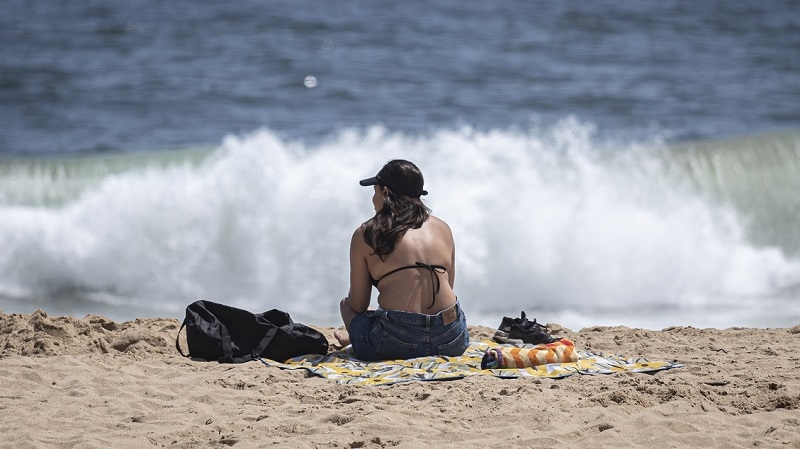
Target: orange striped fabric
(561,351)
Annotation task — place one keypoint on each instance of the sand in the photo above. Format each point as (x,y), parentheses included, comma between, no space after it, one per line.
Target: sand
(91,382)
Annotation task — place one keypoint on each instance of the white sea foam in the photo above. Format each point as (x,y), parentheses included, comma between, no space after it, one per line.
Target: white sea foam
(549,220)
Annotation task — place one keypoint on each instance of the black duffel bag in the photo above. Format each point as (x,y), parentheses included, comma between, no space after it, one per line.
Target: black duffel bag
(230,335)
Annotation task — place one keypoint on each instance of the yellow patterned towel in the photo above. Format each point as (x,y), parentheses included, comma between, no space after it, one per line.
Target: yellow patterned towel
(561,351)
(343,367)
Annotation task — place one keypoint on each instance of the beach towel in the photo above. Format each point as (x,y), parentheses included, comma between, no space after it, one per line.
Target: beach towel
(344,368)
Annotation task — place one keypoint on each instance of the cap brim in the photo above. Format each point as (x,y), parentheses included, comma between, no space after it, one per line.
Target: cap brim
(369,181)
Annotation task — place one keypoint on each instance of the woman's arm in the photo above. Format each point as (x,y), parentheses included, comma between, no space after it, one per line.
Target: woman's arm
(447,237)
(451,273)
(360,283)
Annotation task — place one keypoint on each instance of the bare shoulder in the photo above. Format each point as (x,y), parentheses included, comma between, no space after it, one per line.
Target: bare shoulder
(439,225)
(359,232)
(357,242)
(438,222)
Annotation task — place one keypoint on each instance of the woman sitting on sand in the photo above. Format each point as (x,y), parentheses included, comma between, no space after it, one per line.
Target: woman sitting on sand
(409,255)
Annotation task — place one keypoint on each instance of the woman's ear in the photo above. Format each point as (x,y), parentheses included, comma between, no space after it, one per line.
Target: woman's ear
(385,191)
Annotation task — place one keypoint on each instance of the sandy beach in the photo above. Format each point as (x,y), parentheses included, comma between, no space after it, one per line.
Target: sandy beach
(94,383)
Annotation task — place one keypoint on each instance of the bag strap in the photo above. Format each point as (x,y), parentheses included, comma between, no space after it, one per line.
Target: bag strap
(265,342)
(227,347)
(178,338)
(256,354)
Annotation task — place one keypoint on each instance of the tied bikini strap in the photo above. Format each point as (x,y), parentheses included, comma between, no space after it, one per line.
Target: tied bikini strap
(434,279)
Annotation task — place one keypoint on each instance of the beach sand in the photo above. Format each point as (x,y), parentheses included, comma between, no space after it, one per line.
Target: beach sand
(91,382)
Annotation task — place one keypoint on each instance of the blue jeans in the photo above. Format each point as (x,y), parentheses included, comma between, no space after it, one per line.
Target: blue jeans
(391,334)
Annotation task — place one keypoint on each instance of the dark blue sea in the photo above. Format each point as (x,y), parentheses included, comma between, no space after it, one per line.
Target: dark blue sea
(633,163)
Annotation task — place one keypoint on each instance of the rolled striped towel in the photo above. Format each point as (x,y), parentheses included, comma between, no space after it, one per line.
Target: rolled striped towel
(561,351)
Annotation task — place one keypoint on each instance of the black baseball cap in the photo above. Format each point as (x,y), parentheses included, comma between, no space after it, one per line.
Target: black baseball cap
(397,184)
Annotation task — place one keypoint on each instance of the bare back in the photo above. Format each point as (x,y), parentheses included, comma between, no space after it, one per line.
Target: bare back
(414,290)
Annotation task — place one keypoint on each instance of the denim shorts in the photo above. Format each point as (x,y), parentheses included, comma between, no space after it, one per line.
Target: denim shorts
(391,334)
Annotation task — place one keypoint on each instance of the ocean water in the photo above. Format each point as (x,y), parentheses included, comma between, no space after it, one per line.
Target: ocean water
(598,163)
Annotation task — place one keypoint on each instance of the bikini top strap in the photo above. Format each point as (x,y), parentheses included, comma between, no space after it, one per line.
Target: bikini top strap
(434,279)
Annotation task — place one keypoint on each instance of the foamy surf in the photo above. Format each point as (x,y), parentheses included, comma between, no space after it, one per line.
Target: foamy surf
(553,220)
